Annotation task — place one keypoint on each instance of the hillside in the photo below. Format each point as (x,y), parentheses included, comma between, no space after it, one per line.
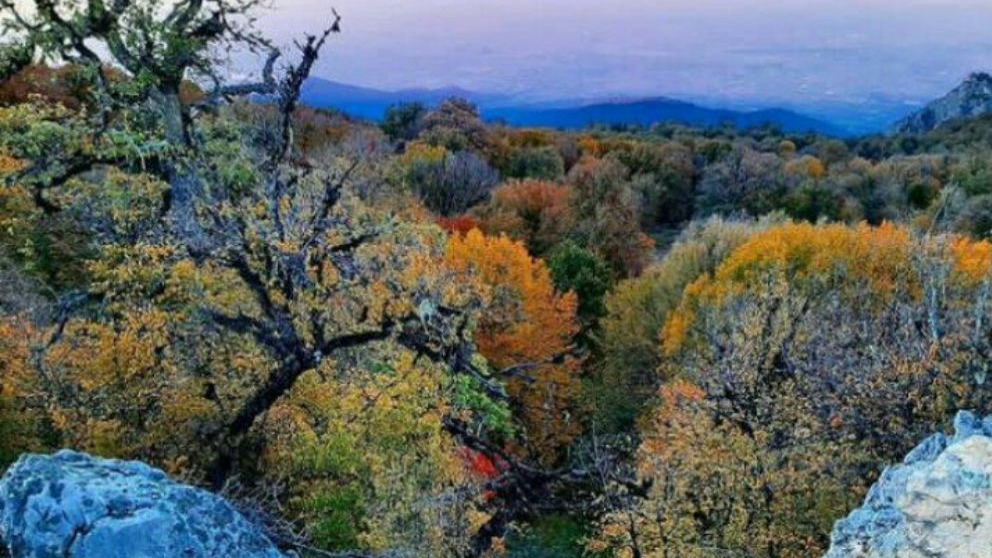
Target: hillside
(972,98)
(371,104)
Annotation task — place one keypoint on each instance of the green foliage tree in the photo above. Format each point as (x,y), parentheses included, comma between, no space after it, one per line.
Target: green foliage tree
(575,269)
(976,217)
(403,121)
(743,180)
(974,176)
(664,175)
(158,47)
(607,211)
(455,125)
(539,163)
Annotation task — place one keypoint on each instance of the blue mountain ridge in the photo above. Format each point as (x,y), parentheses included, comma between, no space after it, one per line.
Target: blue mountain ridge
(371,104)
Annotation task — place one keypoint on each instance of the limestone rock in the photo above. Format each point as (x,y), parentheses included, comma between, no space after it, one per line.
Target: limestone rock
(937,504)
(71,504)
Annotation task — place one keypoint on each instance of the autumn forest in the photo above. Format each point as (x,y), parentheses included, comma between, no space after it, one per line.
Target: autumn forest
(440,336)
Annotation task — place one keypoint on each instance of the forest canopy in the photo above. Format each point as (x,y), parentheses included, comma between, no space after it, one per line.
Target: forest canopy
(438,336)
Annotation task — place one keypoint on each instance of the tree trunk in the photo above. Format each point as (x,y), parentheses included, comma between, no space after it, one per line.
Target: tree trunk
(184,191)
(173,116)
(185,186)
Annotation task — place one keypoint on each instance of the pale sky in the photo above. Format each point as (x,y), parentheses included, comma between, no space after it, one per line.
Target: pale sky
(739,50)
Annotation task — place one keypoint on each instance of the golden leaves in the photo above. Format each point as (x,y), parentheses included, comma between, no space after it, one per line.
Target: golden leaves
(801,341)
(10,165)
(972,259)
(107,355)
(419,152)
(861,260)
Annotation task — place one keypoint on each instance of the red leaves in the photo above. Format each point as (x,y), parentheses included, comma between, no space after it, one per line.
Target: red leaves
(481,465)
(461,224)
(483,468)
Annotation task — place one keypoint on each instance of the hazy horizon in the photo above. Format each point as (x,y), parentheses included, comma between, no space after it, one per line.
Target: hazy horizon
(756,51)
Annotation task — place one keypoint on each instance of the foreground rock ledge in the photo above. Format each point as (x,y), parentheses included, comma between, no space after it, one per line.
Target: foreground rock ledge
(938,503)
(71,504)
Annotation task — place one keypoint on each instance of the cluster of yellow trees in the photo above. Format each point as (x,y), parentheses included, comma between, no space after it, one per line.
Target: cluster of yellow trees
(796,362)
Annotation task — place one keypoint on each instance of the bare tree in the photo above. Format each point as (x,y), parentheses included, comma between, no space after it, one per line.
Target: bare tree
(454,184)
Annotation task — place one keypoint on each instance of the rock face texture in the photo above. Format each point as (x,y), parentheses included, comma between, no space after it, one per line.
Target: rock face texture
(74,505)
(938,503)
(971,98)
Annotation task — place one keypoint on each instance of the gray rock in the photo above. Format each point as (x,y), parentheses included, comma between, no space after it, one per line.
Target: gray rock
(937,504)
(71,504)
(972,98)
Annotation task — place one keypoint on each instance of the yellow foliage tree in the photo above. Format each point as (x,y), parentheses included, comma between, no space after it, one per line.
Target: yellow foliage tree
(810,357)
(638,309)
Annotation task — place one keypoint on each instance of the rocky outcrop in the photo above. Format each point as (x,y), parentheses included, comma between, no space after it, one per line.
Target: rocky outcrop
(938,503)
(971,98)
(71,504)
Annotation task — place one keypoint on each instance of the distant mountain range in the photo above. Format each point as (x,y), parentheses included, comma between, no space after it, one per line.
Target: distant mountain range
(660,110)
(372,104)
(972,98)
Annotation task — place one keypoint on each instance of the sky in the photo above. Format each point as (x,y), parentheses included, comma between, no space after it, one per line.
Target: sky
(731,51)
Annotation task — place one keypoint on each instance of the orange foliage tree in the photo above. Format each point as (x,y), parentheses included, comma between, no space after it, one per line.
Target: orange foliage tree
(534,212)
(460,225)
(526,330)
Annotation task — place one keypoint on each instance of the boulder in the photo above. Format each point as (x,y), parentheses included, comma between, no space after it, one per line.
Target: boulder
(936,504)
(71,504)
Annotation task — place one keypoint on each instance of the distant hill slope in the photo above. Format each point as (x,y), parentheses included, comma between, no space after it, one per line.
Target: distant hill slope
(972,98)
(364,102)
(654,111)
(371,104)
